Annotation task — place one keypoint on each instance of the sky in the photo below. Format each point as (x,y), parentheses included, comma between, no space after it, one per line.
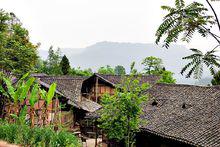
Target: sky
(80,23)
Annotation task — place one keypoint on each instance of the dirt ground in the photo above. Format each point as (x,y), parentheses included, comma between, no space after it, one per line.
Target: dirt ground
(5,144)
(91,142)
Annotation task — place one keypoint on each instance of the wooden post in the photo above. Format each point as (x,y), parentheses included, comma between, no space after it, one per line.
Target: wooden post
(96,89)
(96,134)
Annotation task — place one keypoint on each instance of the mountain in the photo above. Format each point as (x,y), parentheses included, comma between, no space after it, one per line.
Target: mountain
(114,53)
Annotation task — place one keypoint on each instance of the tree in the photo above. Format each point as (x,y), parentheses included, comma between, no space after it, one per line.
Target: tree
(107,70)
(119,70)
(198,59)
(17,54)
(182,21)
(120,114)
(80,72)
(52,65)
(216,79)
(166,77)
(65,65)
(152,65)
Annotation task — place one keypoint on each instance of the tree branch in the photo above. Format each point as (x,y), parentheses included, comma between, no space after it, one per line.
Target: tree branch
(213,35)
(215,47)
(213,10)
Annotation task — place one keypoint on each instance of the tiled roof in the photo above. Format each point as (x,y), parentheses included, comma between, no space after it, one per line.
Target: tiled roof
(190,114)
(117,79)
(70,87)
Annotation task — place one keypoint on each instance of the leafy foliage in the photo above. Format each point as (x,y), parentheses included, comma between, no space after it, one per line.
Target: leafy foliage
(17,53)
(183,21)
(216,79)
(81,72)
(107,70)
(26,89)
(26,136)
(51,66)
(65,65)
(120,115)
(198,59)
(166,77)
(34,95)
(152,65)
(119,70)
(18,94)
(50,93)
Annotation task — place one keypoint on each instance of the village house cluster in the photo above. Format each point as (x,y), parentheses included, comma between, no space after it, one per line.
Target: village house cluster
(176,114)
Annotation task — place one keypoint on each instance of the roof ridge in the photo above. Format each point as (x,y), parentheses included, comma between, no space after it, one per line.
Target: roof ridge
(187,85)
(63,77)
(125,75)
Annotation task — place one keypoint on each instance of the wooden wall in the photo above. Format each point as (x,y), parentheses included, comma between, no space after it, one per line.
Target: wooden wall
(96,90)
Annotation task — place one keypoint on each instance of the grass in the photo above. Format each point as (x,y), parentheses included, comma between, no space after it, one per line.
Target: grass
(36,137)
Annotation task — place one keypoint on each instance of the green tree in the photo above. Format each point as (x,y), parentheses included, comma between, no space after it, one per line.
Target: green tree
(119,70)
(65,65)
(40,66)
(120,114)
(107,70)
(81,72)
(198,59)
(17,54)
(52,65)
(183,21)
(166,77)
(216,79)
(152,65)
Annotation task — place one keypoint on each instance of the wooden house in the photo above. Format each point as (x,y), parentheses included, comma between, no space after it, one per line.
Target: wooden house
(69,102)
(176,115)
(98,84)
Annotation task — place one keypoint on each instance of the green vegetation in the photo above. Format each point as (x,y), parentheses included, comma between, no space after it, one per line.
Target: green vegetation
(65,65)
(120,115)
(51,65)
(119,70)
(183,21)
(154,66)
(37,137)
(16,128)
(107,70)
(17,54)
(55,64)
(15,96)
(166,77)
(81,72)
(216,79)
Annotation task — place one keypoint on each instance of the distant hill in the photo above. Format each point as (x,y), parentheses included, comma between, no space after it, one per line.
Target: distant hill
(114,53)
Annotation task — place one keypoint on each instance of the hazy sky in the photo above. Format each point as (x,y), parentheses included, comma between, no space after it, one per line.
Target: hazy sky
(80,23)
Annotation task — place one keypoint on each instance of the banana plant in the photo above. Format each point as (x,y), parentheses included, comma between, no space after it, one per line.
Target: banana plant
(47,97)
(18,93)
(33,100)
